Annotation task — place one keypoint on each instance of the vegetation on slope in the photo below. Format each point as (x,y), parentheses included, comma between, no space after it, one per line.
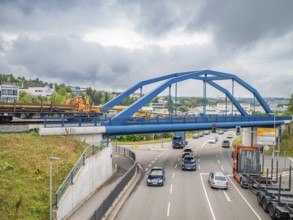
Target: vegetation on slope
(24,172)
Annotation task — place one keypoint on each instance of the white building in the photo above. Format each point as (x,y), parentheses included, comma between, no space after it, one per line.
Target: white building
(40,91)
(8,92)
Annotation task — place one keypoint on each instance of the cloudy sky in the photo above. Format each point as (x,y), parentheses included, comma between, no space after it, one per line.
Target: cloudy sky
(112,44)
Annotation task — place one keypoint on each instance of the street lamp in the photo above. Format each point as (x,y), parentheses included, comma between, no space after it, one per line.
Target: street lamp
(51,160)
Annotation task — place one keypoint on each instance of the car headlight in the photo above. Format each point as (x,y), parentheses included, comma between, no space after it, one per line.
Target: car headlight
(160,180)
(149,180)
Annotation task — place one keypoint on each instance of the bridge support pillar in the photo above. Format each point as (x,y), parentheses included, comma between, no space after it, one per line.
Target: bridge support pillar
(249,136)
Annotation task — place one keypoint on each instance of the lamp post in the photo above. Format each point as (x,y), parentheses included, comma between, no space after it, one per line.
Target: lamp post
(51,161)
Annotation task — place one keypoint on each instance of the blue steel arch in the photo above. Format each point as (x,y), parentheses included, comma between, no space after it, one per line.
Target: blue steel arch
(139,85)
(207,76)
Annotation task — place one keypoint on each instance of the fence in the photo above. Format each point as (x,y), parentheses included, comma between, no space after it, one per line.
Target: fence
(101,211)
(90,150)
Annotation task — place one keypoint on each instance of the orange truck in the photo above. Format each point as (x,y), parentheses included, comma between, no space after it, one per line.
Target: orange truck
(246,164)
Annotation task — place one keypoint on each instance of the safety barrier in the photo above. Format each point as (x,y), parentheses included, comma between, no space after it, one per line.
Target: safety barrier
(199,119)
(89,151)
(101,211)
(106,121)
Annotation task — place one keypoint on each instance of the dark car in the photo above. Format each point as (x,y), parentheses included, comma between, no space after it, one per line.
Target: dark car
(156,177)
(189,163)
(187,151)
(200,134)
(226,143)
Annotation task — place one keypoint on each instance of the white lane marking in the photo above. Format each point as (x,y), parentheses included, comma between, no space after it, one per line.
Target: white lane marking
(219,161)
(178,158)
(217,156)
(203,144)
(227,197)
(153,161)
(150,165)
(156,158)
(173,174)
(146,169)
(244,198)
(222,168)
(198,155)
(206,194)
(198,160)
(198,166)
(176,166)
(159,156)
(171,188)
(168,210)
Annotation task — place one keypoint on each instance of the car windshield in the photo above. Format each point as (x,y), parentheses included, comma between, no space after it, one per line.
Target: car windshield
(187,150)
(156,173)
(220,178)
(189,159)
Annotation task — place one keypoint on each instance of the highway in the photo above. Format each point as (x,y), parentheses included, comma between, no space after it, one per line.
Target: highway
(187,194)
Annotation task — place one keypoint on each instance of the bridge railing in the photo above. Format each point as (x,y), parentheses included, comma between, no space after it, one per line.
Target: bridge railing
(74,121)
(104,120)
(196,119)
(69,180)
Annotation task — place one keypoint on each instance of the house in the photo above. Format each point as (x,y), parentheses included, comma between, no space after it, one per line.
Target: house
(8,92)
(40,91)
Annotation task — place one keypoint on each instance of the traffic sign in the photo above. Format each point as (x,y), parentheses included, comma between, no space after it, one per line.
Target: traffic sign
(269,132)
(266,140)
(266,148)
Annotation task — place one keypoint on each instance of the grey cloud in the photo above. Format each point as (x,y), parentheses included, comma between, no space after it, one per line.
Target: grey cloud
(244,22)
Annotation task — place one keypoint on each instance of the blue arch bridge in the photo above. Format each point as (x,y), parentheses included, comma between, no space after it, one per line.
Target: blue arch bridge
(125,123)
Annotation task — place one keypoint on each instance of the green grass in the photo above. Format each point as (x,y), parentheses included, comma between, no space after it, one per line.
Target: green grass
(24,172)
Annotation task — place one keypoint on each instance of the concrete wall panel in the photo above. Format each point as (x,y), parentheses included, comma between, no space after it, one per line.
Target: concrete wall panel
(89,178)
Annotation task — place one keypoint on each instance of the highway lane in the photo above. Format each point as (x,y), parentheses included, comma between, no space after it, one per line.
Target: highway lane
(187,194)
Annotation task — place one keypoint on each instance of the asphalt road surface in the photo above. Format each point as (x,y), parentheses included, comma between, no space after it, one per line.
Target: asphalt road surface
(187,194)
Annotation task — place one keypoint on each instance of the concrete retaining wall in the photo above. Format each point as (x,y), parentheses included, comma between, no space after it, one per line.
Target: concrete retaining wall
(91,176)
(90,135)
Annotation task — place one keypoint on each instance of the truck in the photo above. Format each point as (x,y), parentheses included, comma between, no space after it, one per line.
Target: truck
(246,164)
(278,203)
(179,140)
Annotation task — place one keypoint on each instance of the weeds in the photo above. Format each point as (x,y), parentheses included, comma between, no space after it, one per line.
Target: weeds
(24,172)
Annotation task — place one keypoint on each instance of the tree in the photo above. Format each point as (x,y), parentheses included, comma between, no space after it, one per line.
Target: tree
(170,103)
(182,109)
(58,99)
(290,105)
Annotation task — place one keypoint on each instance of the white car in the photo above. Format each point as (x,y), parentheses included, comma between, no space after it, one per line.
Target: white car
(229,135)
(218,180)
(212,140)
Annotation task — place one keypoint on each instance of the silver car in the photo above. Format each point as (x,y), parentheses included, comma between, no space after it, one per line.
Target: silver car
(218,180)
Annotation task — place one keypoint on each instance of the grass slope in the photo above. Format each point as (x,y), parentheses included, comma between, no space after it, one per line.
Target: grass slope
(24,172)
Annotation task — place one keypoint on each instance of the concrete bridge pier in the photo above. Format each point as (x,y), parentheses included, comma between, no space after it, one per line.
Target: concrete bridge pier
(90,135)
